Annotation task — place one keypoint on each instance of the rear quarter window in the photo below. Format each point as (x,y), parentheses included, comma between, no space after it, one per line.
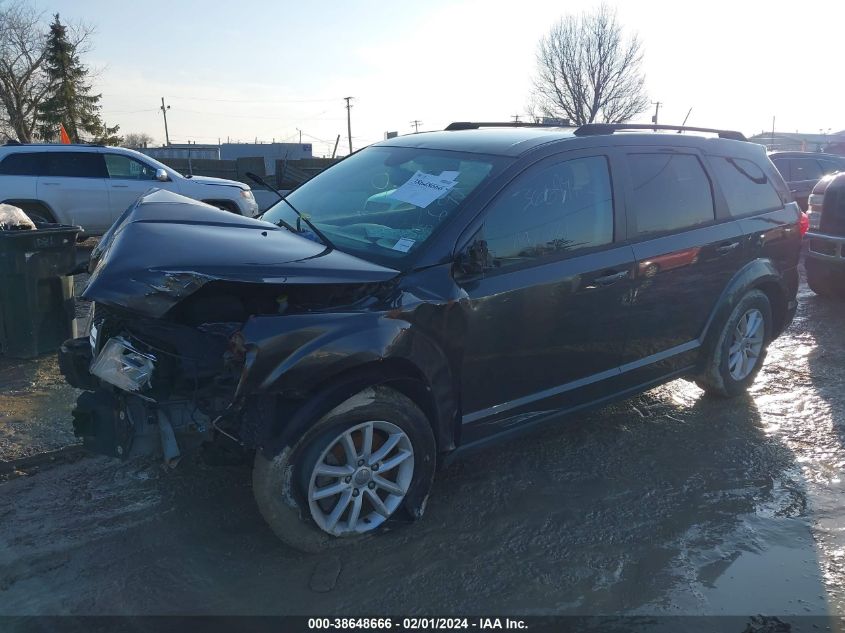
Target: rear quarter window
(746,186)
(22,164)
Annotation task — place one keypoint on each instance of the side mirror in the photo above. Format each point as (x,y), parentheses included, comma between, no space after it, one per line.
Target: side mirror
(161,175)
(475,259)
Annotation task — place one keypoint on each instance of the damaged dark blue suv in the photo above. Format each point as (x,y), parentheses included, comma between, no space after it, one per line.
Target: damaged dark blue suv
(425,295)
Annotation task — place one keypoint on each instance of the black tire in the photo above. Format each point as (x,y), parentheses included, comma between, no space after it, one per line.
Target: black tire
(280,483)
(716,379)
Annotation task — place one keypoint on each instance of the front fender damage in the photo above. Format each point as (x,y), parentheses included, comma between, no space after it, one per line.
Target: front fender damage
(260,382)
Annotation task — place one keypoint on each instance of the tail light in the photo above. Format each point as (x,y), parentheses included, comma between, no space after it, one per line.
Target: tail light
(803,224)
(814,209)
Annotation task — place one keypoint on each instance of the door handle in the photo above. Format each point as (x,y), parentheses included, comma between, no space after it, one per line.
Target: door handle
(120,186)
(52,184)
(724,249)
(610,278)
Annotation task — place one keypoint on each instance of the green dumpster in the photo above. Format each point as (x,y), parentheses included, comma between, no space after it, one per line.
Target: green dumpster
(36,293)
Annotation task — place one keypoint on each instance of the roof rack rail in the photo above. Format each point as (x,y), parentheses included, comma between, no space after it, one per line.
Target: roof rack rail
(473,125)
(596,129)
(12,141)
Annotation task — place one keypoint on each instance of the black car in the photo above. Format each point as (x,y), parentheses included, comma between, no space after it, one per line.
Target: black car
(825,256)
(426,295)
(802,170)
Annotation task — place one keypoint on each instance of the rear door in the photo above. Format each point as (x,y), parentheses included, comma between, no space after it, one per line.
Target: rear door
(75,182)
(128,180)
(687,249)
(547,315)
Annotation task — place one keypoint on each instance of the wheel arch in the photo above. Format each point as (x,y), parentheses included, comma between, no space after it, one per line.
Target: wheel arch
(760,274)
(20,202)
(340,361)
(226,205)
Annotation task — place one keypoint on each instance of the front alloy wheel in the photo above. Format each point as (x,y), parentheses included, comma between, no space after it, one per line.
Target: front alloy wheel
(361,478)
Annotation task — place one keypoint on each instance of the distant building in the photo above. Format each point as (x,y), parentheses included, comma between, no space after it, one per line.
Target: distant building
(269,152)
(833,143)
(182,150)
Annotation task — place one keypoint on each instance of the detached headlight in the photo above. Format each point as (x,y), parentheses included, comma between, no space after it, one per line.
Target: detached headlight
(123,366)
(247,193)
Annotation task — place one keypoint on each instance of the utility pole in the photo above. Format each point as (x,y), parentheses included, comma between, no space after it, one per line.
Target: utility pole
(515,118)
(416,125)
(164,112)
(656,105)
(773,133)
(349,121)
(334,151)
(300,135)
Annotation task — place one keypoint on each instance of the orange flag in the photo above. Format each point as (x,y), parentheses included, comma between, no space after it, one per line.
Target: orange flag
(64,135)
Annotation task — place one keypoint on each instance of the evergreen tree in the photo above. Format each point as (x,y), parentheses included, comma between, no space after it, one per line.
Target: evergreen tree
(69,101)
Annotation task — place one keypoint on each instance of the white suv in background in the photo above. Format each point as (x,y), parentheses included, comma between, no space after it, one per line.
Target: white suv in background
(92,185)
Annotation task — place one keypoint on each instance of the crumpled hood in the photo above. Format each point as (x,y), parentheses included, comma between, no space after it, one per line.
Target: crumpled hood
(210,180)
(167,247)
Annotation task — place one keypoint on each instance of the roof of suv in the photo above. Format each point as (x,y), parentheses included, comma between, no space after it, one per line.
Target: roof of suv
(517,140)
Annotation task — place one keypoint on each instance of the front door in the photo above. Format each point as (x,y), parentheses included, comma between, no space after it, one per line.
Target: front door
(547,315)
(129,179)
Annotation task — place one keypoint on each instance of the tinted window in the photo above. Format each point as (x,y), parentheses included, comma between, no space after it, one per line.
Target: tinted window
(550,211)
(670,192)
(782,166)
(21,164)
(804,169)
(76,165)
(126,168)
(746,187)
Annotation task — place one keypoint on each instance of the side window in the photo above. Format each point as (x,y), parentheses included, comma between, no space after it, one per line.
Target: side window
(830,167)
(549,211)
(782,165)
(746,187)
(805,169)
(126,168)
(76,165)
(670,192)
(22,164)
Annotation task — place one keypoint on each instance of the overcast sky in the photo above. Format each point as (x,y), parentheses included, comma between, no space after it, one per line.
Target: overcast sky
(263,68)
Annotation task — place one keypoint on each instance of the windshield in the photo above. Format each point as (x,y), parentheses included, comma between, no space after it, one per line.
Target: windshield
(383,203)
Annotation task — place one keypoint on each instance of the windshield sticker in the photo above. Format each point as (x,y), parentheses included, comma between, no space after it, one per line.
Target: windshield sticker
(404,244)
(422,189)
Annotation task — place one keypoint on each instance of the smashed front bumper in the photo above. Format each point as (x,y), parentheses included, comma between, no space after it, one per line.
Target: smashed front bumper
(149,386)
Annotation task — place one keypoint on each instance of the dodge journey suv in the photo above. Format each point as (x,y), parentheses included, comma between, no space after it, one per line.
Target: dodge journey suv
(91,185)
(426,295)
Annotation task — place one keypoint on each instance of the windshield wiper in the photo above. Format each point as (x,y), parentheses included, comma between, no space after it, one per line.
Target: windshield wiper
(300,216)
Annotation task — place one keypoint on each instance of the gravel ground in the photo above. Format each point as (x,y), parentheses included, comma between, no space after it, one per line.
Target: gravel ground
(668,503)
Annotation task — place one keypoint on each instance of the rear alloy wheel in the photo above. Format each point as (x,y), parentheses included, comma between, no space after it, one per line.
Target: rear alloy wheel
(367,460)
(740,350)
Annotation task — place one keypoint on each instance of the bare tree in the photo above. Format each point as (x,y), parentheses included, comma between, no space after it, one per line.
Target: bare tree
(22,82)
(136,139)
(588,71)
